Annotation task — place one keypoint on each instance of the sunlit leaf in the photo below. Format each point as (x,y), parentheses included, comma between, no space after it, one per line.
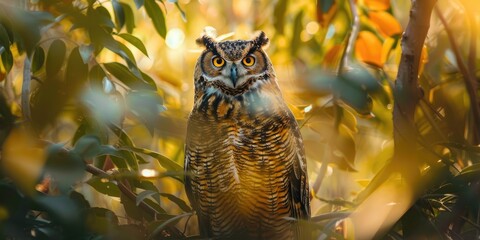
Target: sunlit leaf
(368,48)
(387,24)
(157,16)
(38,59)
(55,57)
(22,159)
(343,149)
(135,42)
(378,5)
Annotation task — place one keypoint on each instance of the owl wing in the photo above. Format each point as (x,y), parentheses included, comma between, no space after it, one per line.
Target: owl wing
(192,194)
(299,187)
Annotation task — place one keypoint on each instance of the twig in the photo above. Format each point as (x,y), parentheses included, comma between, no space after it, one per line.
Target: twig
(468,77)
(172,231)
(352,36)
(27,78)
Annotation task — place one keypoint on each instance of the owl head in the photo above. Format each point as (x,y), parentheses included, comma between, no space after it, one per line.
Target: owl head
(232,68)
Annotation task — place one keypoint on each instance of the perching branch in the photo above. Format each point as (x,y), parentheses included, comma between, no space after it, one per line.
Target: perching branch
(468,77)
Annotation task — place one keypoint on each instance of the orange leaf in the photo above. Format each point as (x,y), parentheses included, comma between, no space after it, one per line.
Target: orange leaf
(386,23)
(368,48)
(381,5)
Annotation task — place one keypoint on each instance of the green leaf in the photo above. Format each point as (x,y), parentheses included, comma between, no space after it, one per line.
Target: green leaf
(135,42)
(4,39)
(184,16)
(102,17)
(145,194)
(7,59)
(125,140)
(129,17)
(119,14)
(105,186)
(179,202)
(279,15)
(55,57)
(64,166)
(95,76)
(123,74)
(101,220)
(38,59)
(77,71)
(139,3)
(156,14)
(172,220)
(165,162)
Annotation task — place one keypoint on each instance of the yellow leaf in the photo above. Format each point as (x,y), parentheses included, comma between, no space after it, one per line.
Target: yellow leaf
(386,23)
(381,5)
(368,48)
(423,60)
(22,159)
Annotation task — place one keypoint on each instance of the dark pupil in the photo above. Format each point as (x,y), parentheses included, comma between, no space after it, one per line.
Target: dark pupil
(248,60)
(218,61)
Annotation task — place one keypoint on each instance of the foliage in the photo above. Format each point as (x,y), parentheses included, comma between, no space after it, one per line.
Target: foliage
(94,96)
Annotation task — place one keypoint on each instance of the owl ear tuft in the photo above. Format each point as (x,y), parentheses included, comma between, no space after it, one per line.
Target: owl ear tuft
(261,40)
(206,41)
(208,38)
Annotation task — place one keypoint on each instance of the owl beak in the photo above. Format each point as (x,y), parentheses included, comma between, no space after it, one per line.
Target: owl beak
(234,75)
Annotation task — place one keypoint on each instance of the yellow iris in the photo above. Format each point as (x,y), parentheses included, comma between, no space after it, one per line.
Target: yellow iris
(218,62)
(248,61)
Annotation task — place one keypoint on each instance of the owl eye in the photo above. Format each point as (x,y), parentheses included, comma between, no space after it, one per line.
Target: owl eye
(218,62)
(248,61)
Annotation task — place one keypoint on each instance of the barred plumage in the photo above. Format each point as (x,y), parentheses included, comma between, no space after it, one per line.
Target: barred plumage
(244,156)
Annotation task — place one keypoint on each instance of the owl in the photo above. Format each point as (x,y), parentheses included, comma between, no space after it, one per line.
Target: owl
(245,164)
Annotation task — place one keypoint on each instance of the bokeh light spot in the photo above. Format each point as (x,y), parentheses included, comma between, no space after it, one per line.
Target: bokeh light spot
(175,38)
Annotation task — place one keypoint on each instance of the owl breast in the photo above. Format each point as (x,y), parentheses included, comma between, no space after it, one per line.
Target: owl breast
(239,153)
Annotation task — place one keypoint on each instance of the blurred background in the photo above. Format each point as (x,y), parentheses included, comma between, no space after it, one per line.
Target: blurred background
(124,116)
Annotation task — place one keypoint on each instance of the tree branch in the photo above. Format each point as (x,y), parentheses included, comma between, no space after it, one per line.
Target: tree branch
(390,201)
